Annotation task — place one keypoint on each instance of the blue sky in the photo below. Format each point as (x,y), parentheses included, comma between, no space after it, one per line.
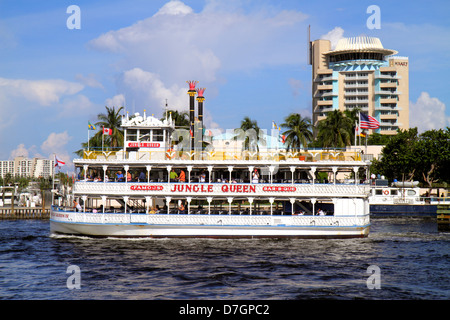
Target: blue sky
(250,55)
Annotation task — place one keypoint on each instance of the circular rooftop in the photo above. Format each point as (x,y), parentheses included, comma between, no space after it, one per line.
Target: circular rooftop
(360,44)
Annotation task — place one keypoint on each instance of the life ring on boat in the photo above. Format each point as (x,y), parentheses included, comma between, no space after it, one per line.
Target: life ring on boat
(170,154)
(386,192)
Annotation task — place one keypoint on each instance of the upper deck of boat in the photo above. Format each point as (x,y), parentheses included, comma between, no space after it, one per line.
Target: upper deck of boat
(305,158)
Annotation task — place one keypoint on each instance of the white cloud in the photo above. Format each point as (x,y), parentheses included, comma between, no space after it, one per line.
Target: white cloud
(146,91)
(177,44)
(116,101)
(428,113)
(43,92)
(89,80)
(55,143)
(334,36)
(79,104)
(174,7)
(21,150)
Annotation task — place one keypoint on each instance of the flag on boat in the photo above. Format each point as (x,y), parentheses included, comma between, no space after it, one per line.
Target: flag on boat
(58,162)
(368,122)
(283,138)
(274,125)
(107,131)
(91,126)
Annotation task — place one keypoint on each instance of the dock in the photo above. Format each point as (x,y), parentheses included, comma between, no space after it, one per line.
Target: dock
(8,213)
(443,217)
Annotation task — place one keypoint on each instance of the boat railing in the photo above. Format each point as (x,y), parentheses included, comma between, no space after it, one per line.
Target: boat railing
(263,219)
(161,188)
(311,155)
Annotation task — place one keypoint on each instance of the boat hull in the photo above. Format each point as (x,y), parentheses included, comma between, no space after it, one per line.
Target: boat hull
(398,210)
(210,226)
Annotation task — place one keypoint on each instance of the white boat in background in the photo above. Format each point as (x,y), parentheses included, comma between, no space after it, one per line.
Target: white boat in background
(402,199)
(219,193)
(9,196)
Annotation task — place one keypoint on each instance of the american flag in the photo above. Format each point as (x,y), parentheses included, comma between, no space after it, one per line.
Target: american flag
(368,122)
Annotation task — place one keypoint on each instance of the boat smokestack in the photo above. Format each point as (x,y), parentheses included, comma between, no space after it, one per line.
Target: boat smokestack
(191,92)
(200,99)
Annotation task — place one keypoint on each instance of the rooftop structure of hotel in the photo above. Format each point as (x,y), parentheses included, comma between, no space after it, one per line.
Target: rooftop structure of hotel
(360,73)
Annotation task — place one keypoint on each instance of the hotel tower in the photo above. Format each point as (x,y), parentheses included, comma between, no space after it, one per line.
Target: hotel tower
(360,73)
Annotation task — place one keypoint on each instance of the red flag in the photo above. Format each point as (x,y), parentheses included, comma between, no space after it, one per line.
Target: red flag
(107,131)
(58,162)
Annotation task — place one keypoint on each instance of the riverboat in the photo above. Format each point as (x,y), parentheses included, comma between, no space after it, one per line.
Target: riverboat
(160,185)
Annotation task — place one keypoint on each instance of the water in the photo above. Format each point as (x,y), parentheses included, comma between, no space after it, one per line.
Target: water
(412,255)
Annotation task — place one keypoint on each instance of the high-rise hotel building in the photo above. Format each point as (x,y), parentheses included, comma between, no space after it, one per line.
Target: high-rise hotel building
(360,73)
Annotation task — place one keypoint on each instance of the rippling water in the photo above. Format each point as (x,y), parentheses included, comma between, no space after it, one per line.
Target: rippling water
(412,255)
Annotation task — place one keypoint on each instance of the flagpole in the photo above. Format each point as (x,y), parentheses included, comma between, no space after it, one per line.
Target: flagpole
(53,180)
(359,128)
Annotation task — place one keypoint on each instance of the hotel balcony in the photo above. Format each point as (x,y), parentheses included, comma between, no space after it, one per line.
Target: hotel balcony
(324,87)
(324,102)
(325,78)
(355,85)
(323,109)
(387,92)
(351,107)
(351,77)
(325,94)
(387,76)
(388,85)
(388,100)
(356,101)
(352,94)
(388,117)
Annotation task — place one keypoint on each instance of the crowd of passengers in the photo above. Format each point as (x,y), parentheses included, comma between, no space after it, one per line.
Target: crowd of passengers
(180,175)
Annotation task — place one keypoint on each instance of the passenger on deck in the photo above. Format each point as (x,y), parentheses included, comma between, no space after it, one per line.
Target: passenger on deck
(182,176)
(77,206)
(142,176)
(181,209)
(173,175)
(119,176)
(255,176)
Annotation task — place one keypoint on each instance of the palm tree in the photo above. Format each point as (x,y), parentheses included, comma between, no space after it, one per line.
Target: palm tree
(250,133)
(112,120)
(299,131)
(335,130)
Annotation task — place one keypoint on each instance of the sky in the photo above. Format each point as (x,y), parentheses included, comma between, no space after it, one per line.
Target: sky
(59,68)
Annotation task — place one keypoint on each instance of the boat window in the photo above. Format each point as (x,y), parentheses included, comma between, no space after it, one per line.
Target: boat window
(158,135)
(144,135)
(132,135)
(394,192)
(378,192)
(411,192)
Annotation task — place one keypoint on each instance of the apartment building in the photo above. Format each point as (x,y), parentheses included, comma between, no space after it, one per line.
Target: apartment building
(24,167)
(360,73)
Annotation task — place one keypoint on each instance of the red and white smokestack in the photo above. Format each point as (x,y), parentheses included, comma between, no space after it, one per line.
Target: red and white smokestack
(191,92)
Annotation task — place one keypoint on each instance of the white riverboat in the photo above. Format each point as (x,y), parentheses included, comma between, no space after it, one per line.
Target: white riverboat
(215,194)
